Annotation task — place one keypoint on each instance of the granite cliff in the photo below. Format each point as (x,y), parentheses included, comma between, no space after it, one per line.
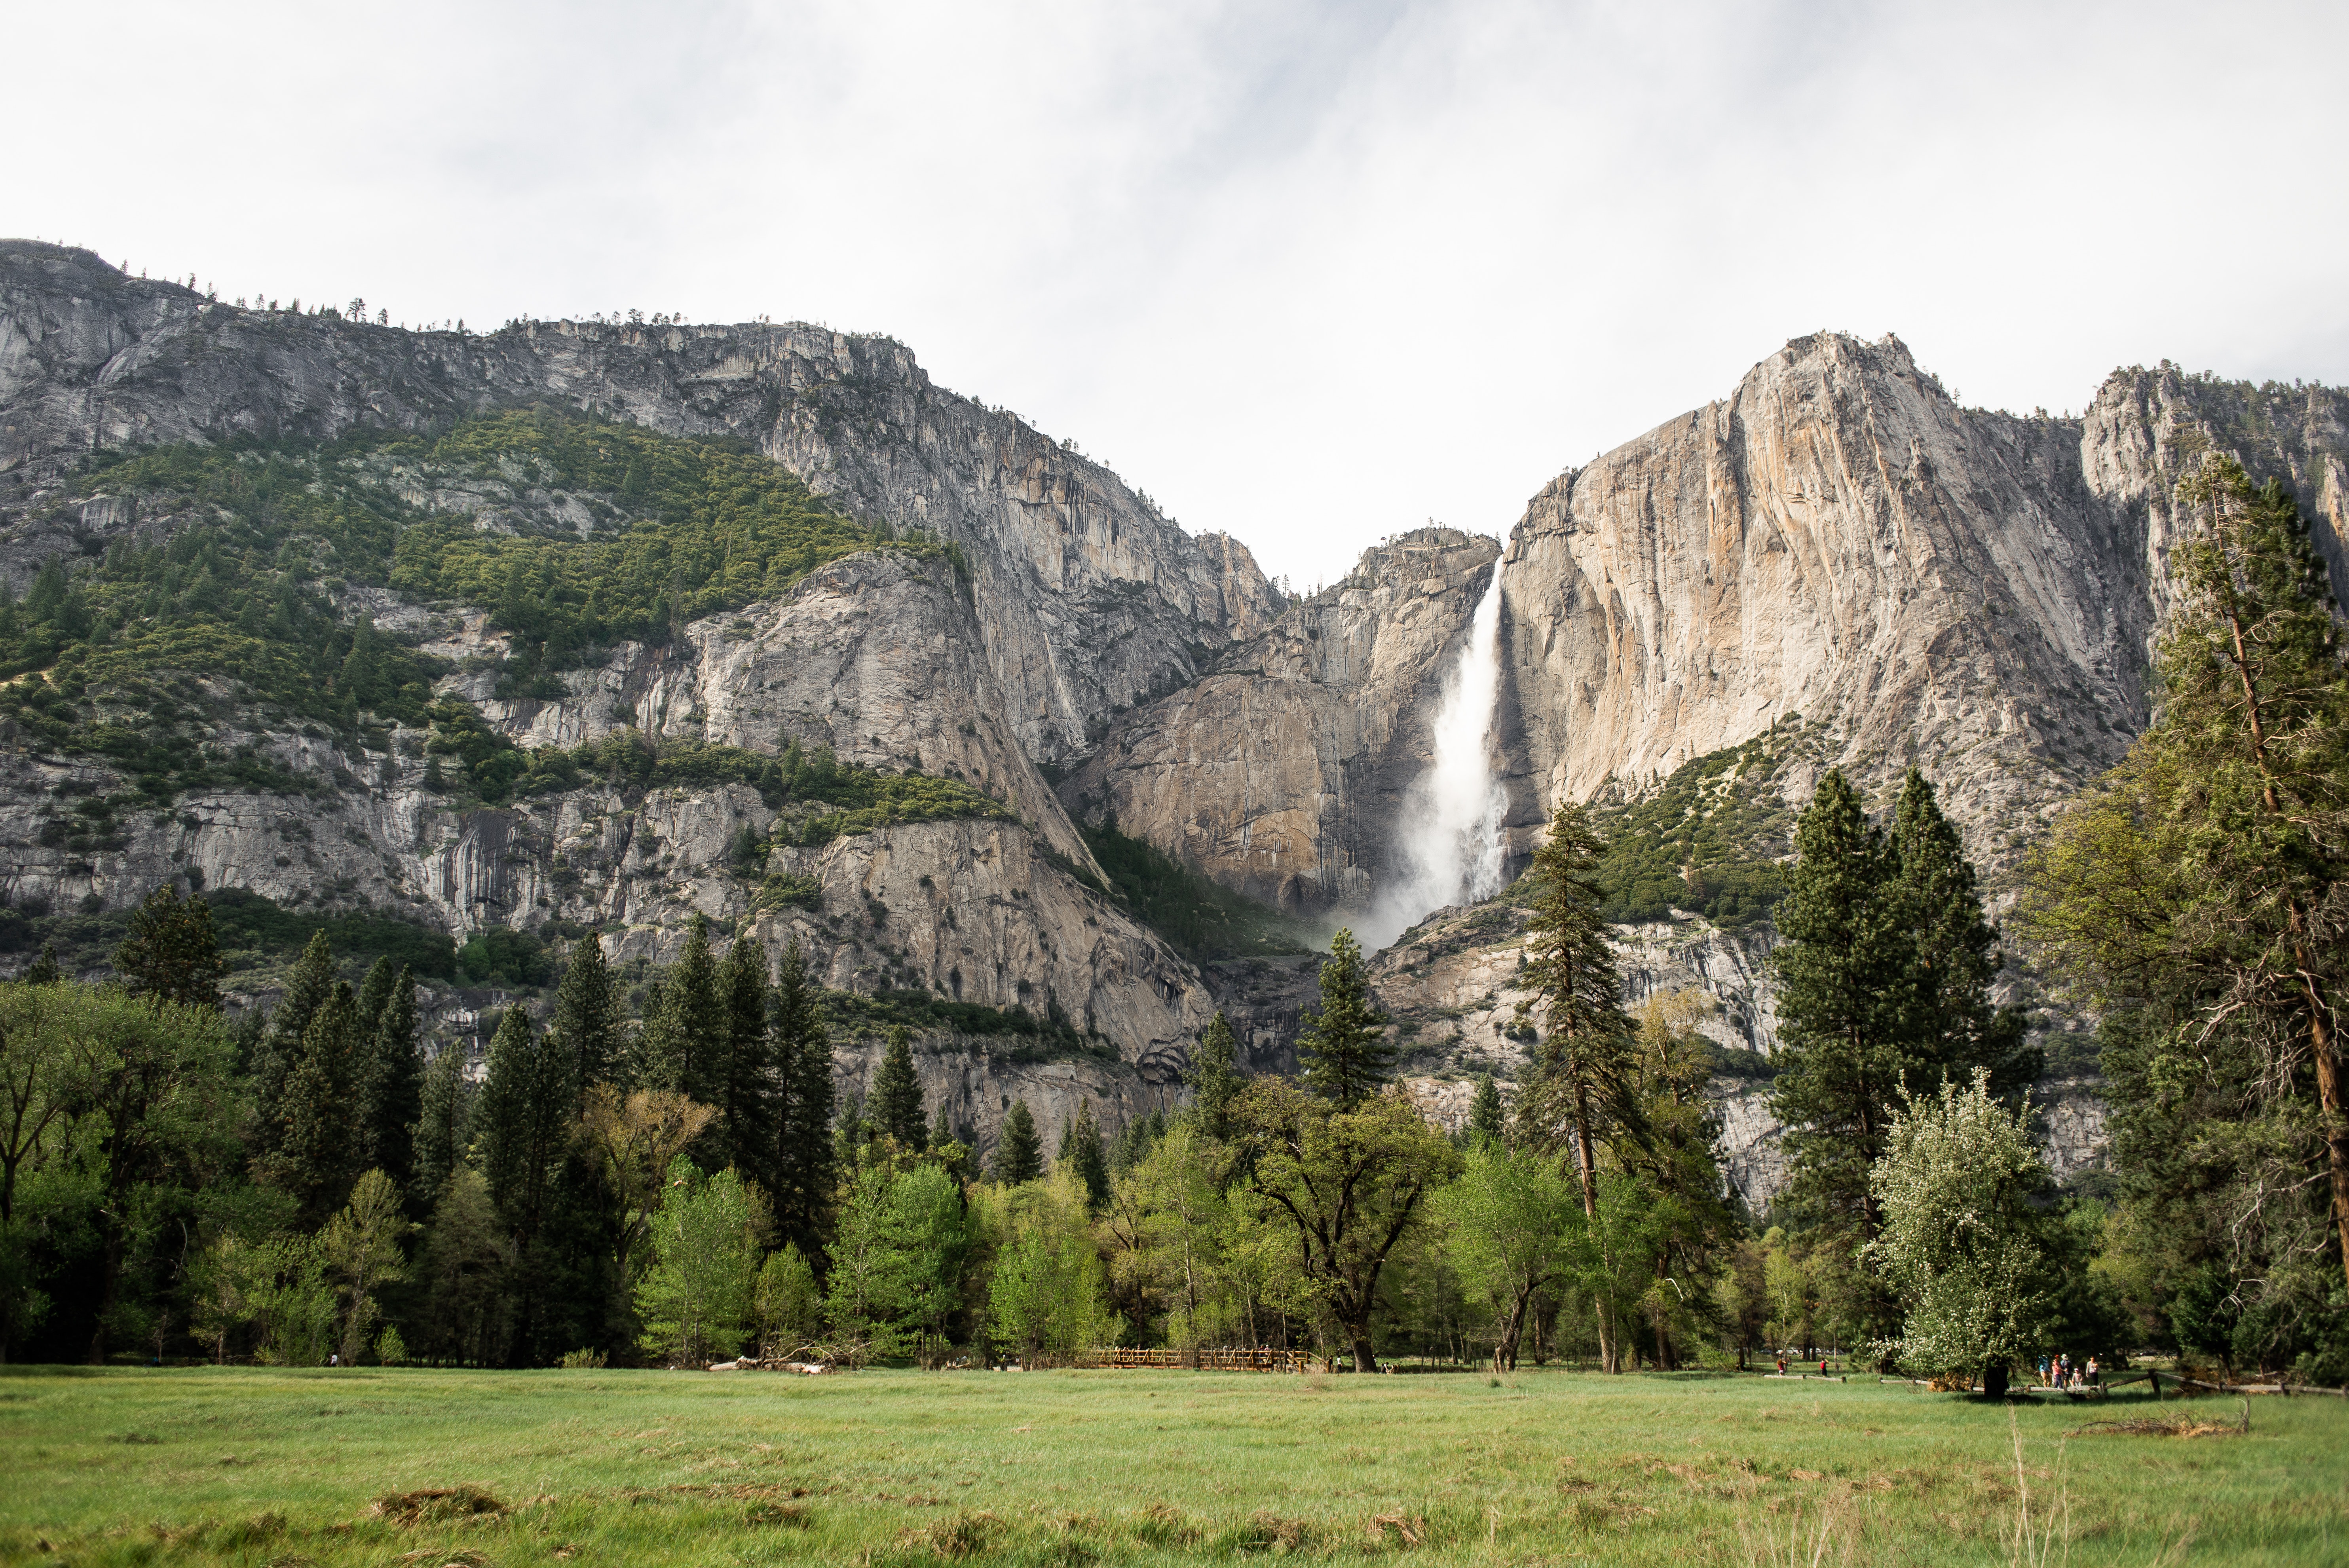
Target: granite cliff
(1836,541)
(1090,600)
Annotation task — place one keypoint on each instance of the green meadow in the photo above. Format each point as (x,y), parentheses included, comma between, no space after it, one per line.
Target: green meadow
(290,1467)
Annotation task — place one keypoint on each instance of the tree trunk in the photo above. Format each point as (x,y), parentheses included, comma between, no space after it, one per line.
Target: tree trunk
(2329,1097)
(1607,1356)
(1364,1361)
(1994,1380)
(109,1283)
(1505,1350)
(1663,1332)
(2328,1065)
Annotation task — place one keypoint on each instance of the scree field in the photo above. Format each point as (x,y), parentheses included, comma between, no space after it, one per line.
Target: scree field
(239,1466)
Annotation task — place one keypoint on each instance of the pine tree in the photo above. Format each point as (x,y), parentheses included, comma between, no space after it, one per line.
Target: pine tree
(1019,1152)
(748,1123)
(895,1107)
(1955,952)
(1344,1046)
(444,1127)
(587,1017)
(45,970)
(685,1038)
(1487,1121)
(1081,1152)
(804,1147)
(170,954)
(2256,711)
(391,1086)
(1580,1084)
(2201,896)
(375,991)
(1214,1079)
(521,1123)
(280,1051)
(317,1154)
(1849,1023)
(942,1143)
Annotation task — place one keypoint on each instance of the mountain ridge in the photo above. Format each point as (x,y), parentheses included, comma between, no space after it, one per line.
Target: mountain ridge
(1835,541)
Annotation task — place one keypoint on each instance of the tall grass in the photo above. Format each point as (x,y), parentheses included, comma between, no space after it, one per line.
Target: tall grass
(592,1466)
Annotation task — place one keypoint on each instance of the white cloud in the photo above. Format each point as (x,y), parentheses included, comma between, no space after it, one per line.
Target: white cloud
(1312,272)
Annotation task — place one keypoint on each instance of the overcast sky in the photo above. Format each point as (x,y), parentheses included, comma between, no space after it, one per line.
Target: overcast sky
(1312,274)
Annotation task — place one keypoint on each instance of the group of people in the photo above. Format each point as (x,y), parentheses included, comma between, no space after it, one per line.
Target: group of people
(2066,1375)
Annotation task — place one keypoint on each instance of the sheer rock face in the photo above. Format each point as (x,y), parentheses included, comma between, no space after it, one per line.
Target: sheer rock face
(1088,598)
(1973,592)
(1282,773)
(1836,540)
(874,655)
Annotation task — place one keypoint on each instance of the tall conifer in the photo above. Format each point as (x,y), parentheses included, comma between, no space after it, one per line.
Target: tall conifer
(1343,1046)
(587,1017)
(522,1122)
(1955,953)
(804,1145)
(1580,1090)
(2256,713)
(1581,1079)
(748,1123)
(1019,1152)
(895,1106)
(1487,1121)
(280,1050)
(1214,1077)
(375,991)
(170,954)
(1847,1016)
(1081,1152)
(391,1086)
(317,1154)
(444,1126)
(685,1039)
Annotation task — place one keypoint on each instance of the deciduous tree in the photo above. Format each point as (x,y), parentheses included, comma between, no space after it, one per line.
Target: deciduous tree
(1348,1182)
(1960,1240)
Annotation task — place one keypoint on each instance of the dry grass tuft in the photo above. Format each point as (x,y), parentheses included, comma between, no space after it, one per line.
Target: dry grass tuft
(964,1535)
(1827,1537)
(1409,1529)
(1161,1524)
(1268,1531)
(2158,1427)
(435,1505)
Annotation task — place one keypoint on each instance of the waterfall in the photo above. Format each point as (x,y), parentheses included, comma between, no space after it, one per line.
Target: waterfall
(1448,845)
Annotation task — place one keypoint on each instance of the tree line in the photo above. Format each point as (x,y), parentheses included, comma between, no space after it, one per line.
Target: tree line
(680,1185)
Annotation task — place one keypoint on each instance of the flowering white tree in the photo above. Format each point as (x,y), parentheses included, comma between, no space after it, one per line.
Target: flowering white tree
(1960,1240)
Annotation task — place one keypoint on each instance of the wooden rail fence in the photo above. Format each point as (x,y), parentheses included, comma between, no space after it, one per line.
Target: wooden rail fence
(1258,1360)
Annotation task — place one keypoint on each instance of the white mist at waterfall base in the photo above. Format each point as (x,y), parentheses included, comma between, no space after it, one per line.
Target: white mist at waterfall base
(1448,845)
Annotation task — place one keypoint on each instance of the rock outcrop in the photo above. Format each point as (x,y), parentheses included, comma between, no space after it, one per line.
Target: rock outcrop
(1089,599)
(1974,592)
(1281,773)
